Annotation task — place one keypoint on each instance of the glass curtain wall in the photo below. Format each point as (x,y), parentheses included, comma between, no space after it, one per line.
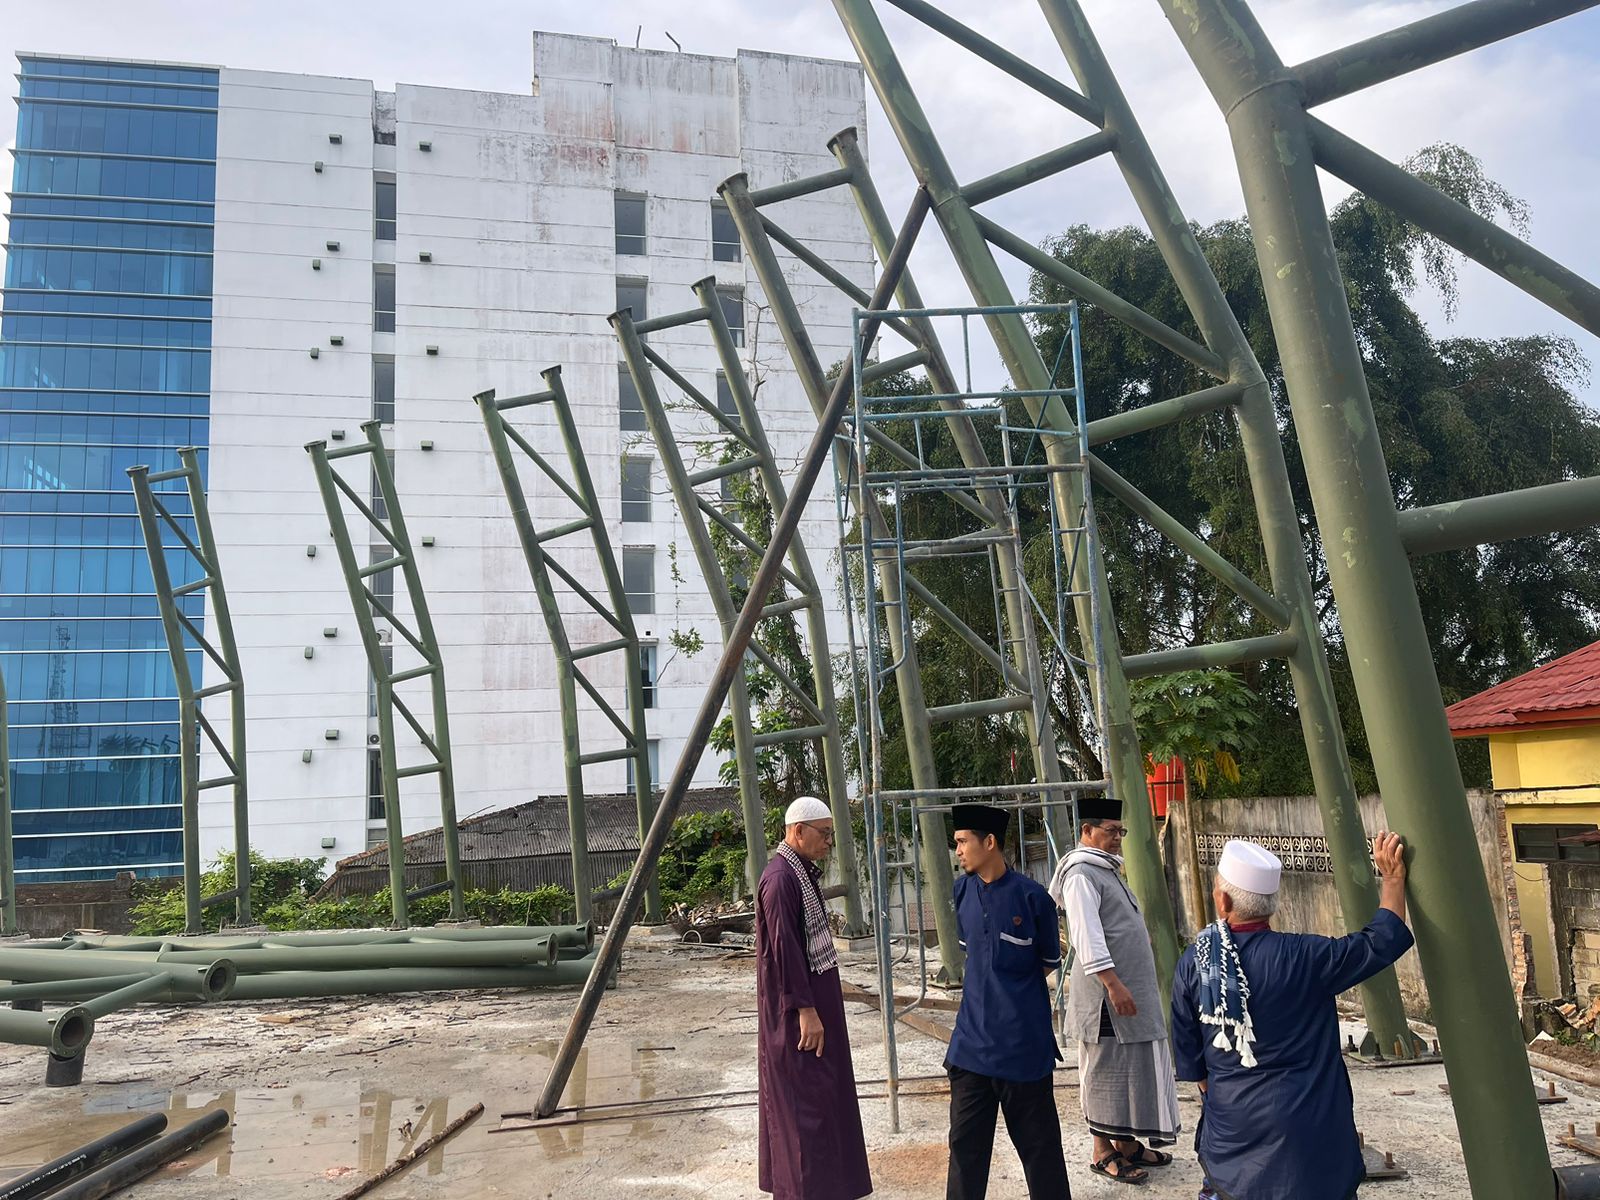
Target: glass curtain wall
(105,336)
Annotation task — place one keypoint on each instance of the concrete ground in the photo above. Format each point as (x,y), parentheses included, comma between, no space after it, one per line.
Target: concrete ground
(326,1092)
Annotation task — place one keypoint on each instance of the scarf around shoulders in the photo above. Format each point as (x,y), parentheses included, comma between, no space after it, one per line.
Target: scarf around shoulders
(820,954)
(1224,999)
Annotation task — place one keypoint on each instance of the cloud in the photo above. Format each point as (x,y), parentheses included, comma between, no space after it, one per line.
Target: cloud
(1524,106)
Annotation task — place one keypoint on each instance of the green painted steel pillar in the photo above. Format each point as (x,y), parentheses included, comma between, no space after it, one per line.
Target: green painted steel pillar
(1320,725)
(1458,939)
(1124,759)
(938,870)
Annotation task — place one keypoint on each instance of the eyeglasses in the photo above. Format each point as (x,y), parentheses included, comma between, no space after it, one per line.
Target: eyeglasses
(819,831)
(1115,830)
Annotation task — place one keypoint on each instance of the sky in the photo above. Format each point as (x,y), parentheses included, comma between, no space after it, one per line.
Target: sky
(1525,107)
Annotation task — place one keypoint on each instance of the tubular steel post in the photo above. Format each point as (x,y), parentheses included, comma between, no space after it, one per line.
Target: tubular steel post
(8,862)
(1125,762)
(581,492)
(729,666)
(843,860)
(936,866)
(363,600)
(1320,725)
(683,495)
(1502,1137)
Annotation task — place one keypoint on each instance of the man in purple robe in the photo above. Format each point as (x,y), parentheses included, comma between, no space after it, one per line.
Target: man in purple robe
(811,1145)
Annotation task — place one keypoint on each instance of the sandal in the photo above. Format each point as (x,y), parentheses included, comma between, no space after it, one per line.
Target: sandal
(1126,1171)
(1141,1155)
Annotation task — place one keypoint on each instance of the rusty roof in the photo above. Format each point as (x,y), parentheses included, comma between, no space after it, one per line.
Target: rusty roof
(1565,691)
(537,828)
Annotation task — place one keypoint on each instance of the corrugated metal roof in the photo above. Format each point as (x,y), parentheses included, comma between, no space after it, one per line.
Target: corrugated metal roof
(1565,690)
(536,829)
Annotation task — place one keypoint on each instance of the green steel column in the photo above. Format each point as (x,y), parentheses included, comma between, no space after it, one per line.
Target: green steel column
(8,862)
(351,568)
(683,495)
(578,460)
(426,635)
(1458,941)
(188,724)
(846,147)
(533,555)
(937,868)
(221,629)
(843,859)
(1125,761)
(1275,509)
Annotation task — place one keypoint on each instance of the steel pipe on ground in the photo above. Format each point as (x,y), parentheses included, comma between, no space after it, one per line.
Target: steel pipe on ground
(64,1033)
(565,935)
(133,1167)
(204,980)
(522,952)
(91,1156)
(292,985)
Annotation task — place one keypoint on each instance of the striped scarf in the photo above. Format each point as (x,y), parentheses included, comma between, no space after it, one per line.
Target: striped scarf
(819,938)
(1224,992)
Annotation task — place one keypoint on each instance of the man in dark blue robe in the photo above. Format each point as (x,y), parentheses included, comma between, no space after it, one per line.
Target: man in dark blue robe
(1254,1023)
(1003,1053)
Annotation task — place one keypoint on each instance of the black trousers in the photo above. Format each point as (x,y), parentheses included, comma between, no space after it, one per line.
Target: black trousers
(1031,1121)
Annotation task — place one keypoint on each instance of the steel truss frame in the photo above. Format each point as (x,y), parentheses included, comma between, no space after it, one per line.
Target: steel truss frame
(1241,386)
(729,666)
(695,509)
(223,651)
(578,487)
(391,529)
(1278,146)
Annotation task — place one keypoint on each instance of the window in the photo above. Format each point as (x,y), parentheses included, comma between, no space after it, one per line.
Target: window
(630,412)
(647,674)
(636,489)
(383,388)
(1541,844)
(732,301)
(630,223)
(375,805)
(639,579)
(725,403)
(383,299)
(383,209)
(631,295)
(653,755)
(724,234)
(382,583)
(380,507)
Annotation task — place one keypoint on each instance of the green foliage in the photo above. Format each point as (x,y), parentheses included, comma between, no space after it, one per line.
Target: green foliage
(1458,417)
(281,891)
(1203,717)
(703,862)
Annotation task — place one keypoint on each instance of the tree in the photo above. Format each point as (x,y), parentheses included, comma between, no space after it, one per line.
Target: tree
(1458,417)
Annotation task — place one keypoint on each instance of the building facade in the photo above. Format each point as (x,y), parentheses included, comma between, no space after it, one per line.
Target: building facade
(248,261)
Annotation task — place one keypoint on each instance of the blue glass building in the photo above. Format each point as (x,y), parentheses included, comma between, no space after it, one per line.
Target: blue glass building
(105,333)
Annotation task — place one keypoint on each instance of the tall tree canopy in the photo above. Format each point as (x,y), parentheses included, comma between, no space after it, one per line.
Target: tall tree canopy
(1459,417)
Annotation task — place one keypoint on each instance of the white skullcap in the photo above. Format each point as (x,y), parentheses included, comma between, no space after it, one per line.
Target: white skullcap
(807,808)
(1251,867)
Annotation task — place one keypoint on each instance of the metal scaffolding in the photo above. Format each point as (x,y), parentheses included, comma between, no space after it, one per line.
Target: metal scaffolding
(894,815)
(223,651)
(754,456)
(580,491)
(390,528)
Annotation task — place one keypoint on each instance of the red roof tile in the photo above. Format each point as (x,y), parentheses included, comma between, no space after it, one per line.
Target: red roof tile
(1565,690)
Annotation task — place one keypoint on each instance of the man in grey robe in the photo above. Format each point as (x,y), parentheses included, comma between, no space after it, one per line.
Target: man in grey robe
(1125,1071)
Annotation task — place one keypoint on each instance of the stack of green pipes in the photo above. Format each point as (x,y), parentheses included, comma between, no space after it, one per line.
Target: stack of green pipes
(94,975)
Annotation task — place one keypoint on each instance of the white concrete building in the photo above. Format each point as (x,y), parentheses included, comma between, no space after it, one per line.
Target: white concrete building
(501,255)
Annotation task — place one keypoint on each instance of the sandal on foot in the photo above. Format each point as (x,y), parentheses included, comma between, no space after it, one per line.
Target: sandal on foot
(1141,1155)
(1126,1172)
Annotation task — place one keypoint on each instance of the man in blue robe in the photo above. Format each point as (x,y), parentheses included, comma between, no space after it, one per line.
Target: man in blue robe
(1254,1023)
(1003,1053)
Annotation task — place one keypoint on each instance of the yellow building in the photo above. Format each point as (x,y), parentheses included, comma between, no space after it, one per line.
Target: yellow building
(1544,756)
